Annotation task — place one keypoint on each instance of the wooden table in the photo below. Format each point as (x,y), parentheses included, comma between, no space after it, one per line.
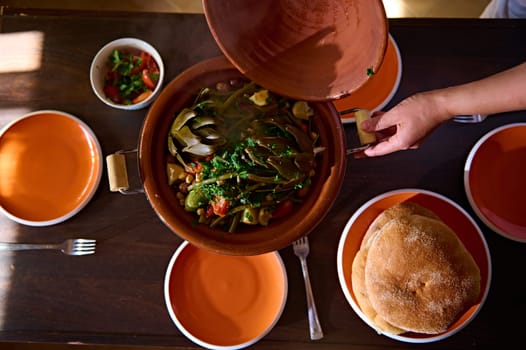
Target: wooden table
(116,295)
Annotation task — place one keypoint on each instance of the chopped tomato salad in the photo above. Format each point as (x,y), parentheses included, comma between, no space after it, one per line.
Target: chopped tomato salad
(132,76)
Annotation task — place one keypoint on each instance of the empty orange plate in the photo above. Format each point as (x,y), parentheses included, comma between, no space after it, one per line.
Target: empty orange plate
(51,165)
(450,213)
(494,179)
(222,301)
(377,91)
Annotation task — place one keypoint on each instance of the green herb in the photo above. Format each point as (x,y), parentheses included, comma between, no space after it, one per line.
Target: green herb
(255,165)
(124,81)
(370,71)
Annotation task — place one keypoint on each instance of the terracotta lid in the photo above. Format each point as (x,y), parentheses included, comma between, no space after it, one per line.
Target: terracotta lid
(312,50)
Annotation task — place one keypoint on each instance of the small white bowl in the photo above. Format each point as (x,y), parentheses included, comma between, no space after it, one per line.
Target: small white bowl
(224,302)
(99,69)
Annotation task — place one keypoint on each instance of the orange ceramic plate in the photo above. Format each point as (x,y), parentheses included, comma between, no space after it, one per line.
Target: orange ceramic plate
(494,177)
(451,213)
(377,91)
(51,165)
(222,301)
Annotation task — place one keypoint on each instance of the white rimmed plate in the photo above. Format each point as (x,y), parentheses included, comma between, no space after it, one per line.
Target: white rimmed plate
(450,213)
(495,180)
(51,165)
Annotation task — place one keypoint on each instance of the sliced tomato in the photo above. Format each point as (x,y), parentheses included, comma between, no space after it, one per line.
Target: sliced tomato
(150,64)
(209,212)
(283,209)
(145,57)
(143,96)
(112,92)
(220,205)
(147,79)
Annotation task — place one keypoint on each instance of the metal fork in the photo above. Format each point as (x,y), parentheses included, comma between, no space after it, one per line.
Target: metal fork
(301,249)
(470,118)
(78,246)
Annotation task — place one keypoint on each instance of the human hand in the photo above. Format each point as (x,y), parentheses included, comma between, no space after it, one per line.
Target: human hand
(406,125)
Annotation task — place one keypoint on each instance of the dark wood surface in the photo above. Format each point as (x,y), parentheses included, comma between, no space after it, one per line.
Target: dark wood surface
(116,295)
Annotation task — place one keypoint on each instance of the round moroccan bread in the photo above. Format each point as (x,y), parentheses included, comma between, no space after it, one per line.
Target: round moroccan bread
(419,276)
(358,267)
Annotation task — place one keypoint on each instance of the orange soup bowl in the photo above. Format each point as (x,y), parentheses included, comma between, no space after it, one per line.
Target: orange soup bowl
(47,177)
(224,302)
(247,239)
(452,215)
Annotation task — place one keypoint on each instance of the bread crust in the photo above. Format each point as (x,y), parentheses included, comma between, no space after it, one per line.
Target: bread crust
(358,267)
(419,276)
(360,293)
(396,211)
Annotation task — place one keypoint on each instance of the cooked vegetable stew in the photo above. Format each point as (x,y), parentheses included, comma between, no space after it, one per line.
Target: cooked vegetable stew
(241,154)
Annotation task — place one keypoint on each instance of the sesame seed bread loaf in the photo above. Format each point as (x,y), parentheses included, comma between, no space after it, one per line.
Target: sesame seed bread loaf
(412,273)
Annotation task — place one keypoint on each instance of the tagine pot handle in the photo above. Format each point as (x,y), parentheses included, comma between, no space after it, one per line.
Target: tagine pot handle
(118,173)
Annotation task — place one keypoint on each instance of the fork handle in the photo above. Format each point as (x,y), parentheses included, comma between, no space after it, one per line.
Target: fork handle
(314,323)
(24,246)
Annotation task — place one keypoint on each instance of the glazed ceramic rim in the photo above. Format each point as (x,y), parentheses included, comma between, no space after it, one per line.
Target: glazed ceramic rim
(98,165)
(394,88)
(469,189)
(353,303)
(98,70)
(195,339)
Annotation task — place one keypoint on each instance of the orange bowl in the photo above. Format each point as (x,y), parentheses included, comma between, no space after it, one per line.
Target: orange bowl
(224,302)
(451,214)
(248,239)
(312,50)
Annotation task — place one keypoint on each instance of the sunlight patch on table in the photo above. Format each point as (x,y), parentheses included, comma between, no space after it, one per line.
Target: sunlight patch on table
(21,51)
(394,8)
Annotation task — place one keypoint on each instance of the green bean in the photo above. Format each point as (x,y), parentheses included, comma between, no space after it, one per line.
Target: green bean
(235,95)
(212,180)
(245,150)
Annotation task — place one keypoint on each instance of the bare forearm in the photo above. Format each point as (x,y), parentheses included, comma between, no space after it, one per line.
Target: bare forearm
(416,116)
(502,92)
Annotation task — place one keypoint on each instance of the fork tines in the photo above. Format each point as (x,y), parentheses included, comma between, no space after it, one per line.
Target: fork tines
(85,241)
(470,118)
(84,246)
